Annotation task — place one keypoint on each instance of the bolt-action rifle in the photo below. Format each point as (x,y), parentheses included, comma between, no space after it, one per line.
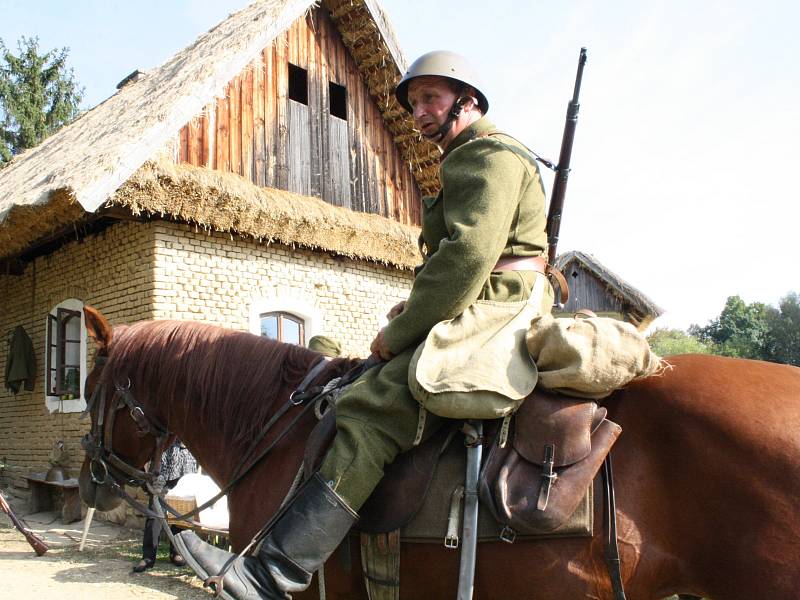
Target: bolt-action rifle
(562,169)
(34,540)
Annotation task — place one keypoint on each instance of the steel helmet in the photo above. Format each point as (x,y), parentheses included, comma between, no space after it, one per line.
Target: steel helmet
(441,63)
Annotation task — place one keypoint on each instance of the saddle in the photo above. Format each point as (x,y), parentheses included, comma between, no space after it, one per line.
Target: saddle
(532,484)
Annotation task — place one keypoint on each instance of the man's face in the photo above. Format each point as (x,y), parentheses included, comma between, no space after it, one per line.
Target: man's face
(430,98)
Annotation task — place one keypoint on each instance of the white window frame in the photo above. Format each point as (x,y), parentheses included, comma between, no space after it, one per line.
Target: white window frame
(281,317)
(298,307)
(55,403)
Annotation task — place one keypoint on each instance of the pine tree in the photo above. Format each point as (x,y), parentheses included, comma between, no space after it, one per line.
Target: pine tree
(38,96)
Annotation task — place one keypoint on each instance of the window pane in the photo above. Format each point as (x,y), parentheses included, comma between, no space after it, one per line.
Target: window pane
(269,327)
(52,341)
(52,382)
(72,381)
(291,331)
(72,346)
(72,327)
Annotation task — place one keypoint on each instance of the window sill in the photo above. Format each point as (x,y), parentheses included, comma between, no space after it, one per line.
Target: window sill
(55,404)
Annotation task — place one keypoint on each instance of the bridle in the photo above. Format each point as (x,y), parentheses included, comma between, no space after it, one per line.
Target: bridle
(105,466)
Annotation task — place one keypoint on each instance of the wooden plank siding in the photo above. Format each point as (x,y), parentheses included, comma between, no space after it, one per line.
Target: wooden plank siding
(259,141)
(586,290)
(257,132)
(235,125)
(300,159)
(222,134)
(270,117)
(247,123)
(338,163)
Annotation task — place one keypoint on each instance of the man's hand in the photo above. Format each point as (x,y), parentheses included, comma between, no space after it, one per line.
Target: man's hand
(396,310)
(379,348)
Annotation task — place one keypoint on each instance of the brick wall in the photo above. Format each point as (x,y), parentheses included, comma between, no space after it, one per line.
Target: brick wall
(112,271)
(225,281)
(134,271)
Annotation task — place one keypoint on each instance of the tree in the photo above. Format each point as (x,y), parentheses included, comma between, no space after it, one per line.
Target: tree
(667,342)
(38,96)
(782,342)
(739,331)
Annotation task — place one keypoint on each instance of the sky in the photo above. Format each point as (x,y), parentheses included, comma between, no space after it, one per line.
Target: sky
(683,167)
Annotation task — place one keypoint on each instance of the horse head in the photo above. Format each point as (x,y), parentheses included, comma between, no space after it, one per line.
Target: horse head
(120,441)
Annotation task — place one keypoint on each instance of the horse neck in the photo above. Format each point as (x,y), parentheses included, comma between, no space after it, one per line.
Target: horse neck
(261,490)
(217,448)
(223,455)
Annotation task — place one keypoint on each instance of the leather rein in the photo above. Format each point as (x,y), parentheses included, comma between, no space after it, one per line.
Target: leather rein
(98,443)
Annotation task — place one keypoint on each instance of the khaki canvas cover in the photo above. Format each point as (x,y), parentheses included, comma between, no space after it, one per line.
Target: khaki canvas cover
(588,357)
(476,366)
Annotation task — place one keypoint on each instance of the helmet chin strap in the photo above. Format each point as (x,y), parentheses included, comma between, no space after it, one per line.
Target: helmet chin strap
(452,115)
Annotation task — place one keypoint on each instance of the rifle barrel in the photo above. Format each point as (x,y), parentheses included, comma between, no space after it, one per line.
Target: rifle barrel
(563,168)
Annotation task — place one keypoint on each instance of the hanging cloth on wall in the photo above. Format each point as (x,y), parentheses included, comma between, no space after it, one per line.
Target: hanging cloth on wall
(20,361)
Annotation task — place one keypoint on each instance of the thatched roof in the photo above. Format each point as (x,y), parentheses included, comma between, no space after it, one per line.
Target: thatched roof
(81,166)
(614,283)
(368,36)
(227,202)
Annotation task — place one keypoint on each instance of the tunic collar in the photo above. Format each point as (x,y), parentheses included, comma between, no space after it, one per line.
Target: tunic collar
(479,128)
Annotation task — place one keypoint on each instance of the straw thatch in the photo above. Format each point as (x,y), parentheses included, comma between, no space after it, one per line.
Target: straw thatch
(646,310)
(81,166)
(368,36)
(229,203)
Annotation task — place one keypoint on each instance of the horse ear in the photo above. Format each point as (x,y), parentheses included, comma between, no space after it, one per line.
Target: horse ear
(97,326)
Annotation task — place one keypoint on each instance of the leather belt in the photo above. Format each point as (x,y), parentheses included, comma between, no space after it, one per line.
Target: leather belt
(522,263)
(538,264)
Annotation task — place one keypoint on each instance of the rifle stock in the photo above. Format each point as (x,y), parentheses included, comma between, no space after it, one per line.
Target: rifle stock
(34,540)
(562,170)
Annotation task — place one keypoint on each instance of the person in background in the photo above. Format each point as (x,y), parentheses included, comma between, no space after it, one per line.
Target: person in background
(176,462)
(325,345)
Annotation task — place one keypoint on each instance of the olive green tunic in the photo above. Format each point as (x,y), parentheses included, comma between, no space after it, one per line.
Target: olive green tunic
(491,204)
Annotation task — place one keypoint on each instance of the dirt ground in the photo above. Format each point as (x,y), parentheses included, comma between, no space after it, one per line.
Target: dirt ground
(101,571)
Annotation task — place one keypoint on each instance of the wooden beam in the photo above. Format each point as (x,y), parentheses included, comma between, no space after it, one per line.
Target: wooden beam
(259,137)
(120,213)
(316,111)
(270,116)
(235,124)
(282,110)
(247,123)
(222,161)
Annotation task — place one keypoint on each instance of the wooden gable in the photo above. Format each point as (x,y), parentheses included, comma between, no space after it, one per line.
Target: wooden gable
(587,290)
(273,132)
(593,286)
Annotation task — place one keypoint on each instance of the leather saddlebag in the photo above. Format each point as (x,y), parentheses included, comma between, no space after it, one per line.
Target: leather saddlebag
(557,444)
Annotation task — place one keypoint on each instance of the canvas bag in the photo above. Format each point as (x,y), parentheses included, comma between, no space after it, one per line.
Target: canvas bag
(476,366)
(588,357)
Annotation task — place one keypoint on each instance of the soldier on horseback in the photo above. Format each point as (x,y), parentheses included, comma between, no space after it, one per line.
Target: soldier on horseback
(483,238)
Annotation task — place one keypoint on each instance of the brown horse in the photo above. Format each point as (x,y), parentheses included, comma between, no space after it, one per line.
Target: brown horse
(707,468)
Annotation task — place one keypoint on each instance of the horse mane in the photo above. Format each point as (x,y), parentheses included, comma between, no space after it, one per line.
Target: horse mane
(231,379)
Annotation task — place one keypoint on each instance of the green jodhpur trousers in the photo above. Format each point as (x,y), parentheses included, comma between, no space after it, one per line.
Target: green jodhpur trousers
(376,419)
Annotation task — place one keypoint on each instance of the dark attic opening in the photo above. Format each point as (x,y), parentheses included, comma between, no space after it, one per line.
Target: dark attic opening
(298,84)
(338,100)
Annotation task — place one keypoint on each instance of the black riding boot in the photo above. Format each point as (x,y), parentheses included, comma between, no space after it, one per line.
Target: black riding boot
(316,521)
